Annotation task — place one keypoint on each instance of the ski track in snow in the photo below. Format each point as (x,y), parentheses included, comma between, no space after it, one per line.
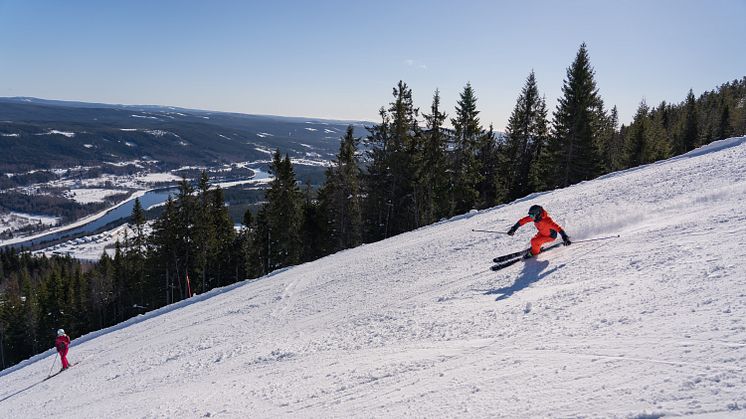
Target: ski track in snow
(651,323)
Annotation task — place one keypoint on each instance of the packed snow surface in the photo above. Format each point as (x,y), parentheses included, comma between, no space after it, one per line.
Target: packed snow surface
(646,325)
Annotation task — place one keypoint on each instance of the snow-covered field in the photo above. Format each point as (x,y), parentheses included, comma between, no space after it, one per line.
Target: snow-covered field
(646,325)
(90,195)
(17,220)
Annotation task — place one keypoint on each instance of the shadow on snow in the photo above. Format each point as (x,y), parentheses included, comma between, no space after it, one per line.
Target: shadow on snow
(533,271)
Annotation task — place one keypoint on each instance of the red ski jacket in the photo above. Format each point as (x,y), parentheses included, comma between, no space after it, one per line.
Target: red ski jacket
(61,343)
(545,225)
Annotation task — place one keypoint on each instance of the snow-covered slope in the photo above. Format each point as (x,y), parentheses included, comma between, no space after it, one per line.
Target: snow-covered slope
(652,323)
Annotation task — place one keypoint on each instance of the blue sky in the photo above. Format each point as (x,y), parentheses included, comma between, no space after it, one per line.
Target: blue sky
(341,59)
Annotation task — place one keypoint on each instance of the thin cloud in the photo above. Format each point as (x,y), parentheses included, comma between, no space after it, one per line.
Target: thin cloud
(414,63)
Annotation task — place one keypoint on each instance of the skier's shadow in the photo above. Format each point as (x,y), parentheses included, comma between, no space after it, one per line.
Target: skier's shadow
(21,391)
(533,271)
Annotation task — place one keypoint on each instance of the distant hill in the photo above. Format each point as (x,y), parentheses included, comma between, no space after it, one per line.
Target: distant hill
(40,134)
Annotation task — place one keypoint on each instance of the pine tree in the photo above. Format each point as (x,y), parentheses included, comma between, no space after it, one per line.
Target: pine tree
(467,167)
(138,228)
(391,206)
(246,263)
(13,324)
(167,249)
(688,137)
(205,236)
(101,290)
(405,136)
(314,234)
(136,254)
(377,184)
(572,154)
(283,214)
(637,144)
(646,140)
(724,128)
(526,135)
(659,139)
(220,254)
(433,182)
(612,144)
(340,196)
(491,187)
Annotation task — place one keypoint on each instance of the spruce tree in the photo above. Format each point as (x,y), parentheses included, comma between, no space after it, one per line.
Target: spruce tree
(377,184)
(612,143)
(283,215)
(137,253)
(526,134)
(167,249)
(392,207)
(688,137)
(220,254)
(491,187)
(661,145)
(405,136)
(138,227)
(433,182)
(723,129)
(638,148)
(204,233)
(340,196)
(314,235)
(246,260)
(572,153)
(467,167)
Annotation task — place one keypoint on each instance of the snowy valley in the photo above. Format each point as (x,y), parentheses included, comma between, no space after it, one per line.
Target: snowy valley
(647,325)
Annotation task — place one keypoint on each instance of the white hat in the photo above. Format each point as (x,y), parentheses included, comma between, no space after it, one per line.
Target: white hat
(60,332)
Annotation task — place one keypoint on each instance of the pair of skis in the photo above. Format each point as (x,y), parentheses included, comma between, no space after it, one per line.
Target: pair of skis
(504,261)
(59,372)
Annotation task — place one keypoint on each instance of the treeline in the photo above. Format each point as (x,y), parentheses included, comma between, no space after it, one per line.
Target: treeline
(38,203)
(408,172)
(665,130)
(38,296)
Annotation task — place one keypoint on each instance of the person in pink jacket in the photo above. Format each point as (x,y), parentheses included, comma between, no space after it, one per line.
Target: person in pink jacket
(62,343)
(548,230)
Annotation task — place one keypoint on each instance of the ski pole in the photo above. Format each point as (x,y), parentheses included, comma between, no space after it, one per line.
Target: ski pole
(596,239)
(55,361)
(488,231)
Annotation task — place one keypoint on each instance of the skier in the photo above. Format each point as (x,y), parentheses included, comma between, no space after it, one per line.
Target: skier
(62,343)
(548,230)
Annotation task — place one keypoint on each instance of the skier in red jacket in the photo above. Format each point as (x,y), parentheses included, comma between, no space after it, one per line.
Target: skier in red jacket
(62,343)
(548,230)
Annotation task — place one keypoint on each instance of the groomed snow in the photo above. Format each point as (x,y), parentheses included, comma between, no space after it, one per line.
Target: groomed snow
(649,324)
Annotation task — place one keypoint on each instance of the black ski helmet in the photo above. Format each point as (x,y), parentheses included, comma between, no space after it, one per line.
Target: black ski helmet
(535,212)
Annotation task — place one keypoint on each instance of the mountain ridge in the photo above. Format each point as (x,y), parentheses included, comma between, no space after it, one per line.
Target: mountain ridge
(38,133)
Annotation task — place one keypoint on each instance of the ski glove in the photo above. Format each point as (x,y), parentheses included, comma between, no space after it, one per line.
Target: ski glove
(565,240)
(513,229)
